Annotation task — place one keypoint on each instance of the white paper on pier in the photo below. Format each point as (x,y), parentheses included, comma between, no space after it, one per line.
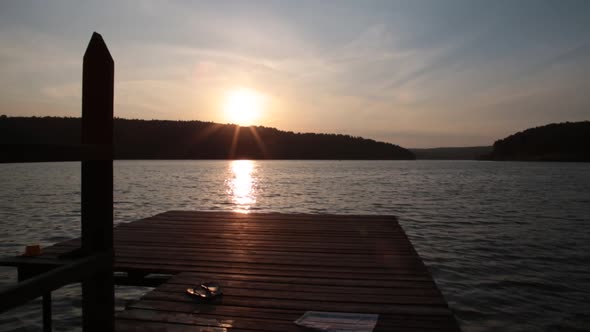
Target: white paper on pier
(338,321)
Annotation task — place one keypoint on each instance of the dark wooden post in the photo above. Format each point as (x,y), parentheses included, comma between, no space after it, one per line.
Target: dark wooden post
(97,182)
(47,312)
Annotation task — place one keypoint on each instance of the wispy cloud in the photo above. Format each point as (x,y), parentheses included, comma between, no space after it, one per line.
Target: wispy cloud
(415,73)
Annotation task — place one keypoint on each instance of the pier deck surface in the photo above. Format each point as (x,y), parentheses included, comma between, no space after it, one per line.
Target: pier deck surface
(272,269)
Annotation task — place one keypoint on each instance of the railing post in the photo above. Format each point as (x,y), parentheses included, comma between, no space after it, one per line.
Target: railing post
(47,312)
(97,183)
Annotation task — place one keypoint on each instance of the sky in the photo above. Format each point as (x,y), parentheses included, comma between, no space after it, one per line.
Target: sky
(414,73)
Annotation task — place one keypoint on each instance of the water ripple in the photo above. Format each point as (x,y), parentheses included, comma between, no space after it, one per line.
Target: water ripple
(507,243)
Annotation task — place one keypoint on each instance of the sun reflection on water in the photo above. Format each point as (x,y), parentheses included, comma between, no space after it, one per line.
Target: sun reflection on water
(241,184)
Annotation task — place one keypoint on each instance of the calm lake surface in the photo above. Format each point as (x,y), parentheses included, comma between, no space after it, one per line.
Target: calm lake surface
(508,243)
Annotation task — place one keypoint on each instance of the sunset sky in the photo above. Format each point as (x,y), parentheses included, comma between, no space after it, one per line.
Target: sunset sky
(414,73)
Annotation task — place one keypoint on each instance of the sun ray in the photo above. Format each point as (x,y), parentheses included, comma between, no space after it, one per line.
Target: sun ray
(234,143)
(259,142)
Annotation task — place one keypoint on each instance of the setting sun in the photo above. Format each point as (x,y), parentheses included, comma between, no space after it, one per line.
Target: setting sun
(243,106)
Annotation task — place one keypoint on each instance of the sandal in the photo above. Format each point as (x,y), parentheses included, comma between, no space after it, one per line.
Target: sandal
(205,290)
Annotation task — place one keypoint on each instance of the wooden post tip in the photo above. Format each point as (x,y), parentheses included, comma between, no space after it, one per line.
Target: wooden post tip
(97,47)
(96,35)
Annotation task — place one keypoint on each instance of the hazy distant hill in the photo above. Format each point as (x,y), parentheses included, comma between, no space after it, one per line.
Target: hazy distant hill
(459,153)
(569,141)
(155,139)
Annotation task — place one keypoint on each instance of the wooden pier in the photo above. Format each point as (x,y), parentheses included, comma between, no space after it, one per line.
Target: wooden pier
(272,269)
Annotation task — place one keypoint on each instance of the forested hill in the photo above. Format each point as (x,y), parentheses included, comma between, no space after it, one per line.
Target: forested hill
(569,141)
(155,139)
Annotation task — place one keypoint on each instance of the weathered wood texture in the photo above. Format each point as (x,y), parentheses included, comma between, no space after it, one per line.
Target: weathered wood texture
(273,268)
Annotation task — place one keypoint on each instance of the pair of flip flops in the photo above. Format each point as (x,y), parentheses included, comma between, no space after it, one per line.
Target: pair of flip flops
(206,290)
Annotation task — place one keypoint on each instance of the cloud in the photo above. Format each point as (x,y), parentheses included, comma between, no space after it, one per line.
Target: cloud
(67,91)
(379,69)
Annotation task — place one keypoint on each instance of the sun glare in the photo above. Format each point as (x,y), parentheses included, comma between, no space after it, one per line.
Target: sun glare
(243,106)
(242,184)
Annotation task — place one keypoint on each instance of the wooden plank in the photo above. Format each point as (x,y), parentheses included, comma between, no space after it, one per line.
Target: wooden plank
(274,215)
(382,265)
(368,271)
(349,295)
(261,244)
(151,267)
(389,225)
(388,261)
(266,239)
(307,236)
(327,290)
(306,304)
(374,247)
(189,278)
(227,218)
(126,325)
(215,246)
(270,218)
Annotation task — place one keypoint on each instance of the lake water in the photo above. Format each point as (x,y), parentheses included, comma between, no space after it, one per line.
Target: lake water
(508,243)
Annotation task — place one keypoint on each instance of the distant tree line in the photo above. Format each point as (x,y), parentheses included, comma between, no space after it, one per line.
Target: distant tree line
(454,153)
(157,139)
(569,141)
